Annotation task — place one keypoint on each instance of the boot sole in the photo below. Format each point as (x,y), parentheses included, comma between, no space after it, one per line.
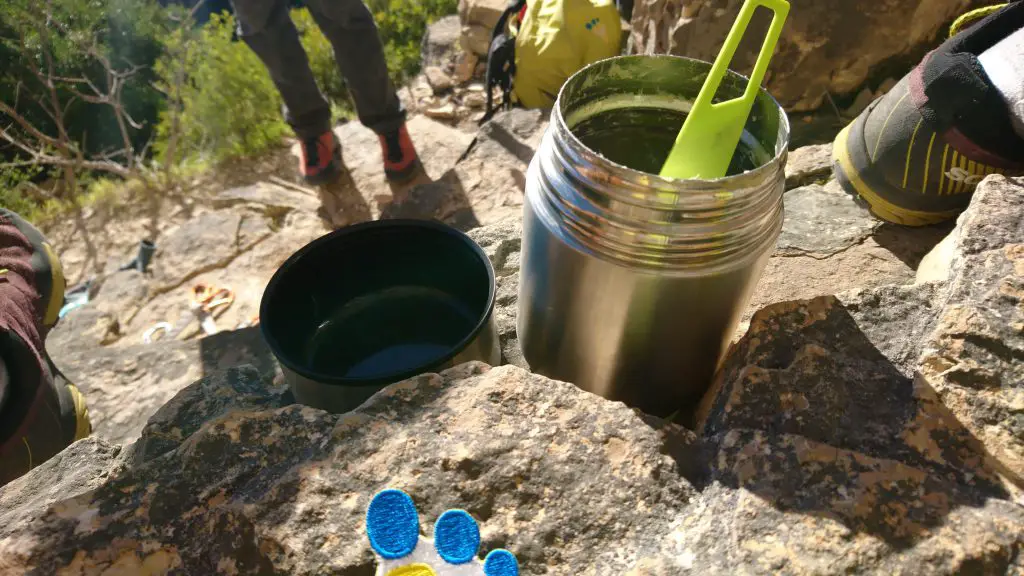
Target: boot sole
(325,176)
(330,173)
(850,179)
(405,176)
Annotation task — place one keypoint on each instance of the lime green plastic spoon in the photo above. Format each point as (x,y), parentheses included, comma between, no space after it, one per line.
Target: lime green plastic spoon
(708,139)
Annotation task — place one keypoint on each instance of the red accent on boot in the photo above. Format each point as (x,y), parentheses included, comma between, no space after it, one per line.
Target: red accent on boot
(321,158)
(400,159)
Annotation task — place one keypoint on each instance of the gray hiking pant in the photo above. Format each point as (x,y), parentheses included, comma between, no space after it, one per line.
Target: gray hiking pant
(267,28)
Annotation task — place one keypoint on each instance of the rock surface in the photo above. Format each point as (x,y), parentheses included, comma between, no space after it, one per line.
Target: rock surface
(830,244)
(822,447)
(869,432)
(440,41)
(365,187)
(478,19)
(83,466)
(486,185)
(808,164)
(125,385)
(203,243)
(975,358)
(828,46)
(822,220)
(503,243)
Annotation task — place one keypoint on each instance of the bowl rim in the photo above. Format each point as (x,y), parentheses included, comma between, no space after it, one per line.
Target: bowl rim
(483,322)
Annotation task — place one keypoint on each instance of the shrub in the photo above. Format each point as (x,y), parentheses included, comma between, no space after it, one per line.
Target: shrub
(11,197)
(225,102)
(227,106)
(402,24)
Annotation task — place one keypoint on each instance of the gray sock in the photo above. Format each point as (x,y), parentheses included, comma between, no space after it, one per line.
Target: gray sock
(1004,64)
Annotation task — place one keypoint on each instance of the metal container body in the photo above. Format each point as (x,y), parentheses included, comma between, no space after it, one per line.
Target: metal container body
(632,285)
(338,399)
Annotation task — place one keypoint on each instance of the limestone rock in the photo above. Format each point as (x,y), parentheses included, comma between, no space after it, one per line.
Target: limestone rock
(493,170)
(808,368)
(474,100)
(85,326)
(832,386)
(443,111)
(486,184)
(438,80)
(779,503)
(465,67)
(208,241)
(242,388)
(438,145)
(935,265)
(481,12)
(269,197)
(124,386)
(808,164)
(864,99)
(476,39)
(285,490)
(440,43)
(246,274)
(502,243)
(571,483)
(975,357)
(888,255)
(827,46)
(114,301)
(83,466)
(823,220)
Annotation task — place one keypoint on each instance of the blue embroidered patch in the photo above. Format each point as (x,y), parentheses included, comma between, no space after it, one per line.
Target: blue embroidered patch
(392,525)
(501,563)
(456,537)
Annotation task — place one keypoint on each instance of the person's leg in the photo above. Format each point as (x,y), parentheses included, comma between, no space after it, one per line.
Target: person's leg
(350,28)
(41,413)
(265,26)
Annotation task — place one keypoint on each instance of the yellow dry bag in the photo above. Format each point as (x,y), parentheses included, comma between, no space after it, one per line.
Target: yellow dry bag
(536,49)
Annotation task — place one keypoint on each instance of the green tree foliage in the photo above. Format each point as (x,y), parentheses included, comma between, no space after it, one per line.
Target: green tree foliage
(124,32)
(195,92)
(402,24)
(222,99)
(11,197)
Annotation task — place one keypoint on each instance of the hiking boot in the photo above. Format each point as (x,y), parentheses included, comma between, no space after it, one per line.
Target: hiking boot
(916,154)
(401,163)
(321,158)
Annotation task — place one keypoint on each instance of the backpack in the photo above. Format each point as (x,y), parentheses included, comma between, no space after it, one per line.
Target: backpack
(537,46)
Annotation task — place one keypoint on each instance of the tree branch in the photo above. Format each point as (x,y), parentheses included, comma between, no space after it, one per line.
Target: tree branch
(28,127)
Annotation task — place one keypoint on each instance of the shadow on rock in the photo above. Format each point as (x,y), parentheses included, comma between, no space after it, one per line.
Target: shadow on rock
(809,415)
(444,200)
(341,202)
(911,245)
(237,348)
(506,139)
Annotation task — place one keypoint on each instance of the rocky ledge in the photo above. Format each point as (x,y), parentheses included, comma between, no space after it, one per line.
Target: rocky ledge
(876,431)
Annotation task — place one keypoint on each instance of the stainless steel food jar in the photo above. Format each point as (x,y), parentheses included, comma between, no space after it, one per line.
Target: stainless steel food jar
(632,285)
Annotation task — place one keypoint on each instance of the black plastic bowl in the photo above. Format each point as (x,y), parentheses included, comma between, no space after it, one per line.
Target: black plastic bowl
(376,303)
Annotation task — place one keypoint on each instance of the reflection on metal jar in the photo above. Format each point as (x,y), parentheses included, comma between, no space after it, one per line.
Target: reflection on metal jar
(632,285)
